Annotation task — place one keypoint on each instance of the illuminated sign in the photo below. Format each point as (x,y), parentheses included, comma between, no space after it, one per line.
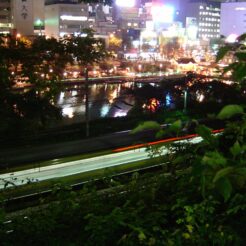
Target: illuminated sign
(240,8)
(163,14)
(232,38)
(191,28)
(125,3)
(73,18)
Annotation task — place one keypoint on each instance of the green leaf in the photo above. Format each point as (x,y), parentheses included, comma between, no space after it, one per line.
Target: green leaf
(242,37)
(241,171)
(230,67)
(222,173)
(160,134)
(214,159)
(147,125)
(205,133)
(239,72)
(230,111)
(222,52)
(240,176)
(225,188)
(176,126)
(141,236)
(236,149)
(241,55)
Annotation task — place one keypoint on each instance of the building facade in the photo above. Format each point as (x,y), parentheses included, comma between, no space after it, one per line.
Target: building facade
(233,18)
(72,18)
(204,15)
(5,16)
(25,17)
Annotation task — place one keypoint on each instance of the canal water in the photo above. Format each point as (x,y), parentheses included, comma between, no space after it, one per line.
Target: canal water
(105,100)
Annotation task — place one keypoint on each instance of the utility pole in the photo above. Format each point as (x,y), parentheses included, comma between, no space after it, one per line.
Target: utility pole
(87,113)
(185,100)
(185,94)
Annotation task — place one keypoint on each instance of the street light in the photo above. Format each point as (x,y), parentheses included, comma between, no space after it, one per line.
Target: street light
(161,67)
(17,37)
(139,68)
(185,100)
(185,94)
(39,23)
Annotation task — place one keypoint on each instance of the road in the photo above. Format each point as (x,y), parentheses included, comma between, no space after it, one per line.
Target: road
(31,154)
(75,167)
(151,78)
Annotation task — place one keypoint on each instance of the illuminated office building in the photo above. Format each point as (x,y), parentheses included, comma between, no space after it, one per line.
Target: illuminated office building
(202,17)
(69,17)
(5,16)
(25,17)
(233,19)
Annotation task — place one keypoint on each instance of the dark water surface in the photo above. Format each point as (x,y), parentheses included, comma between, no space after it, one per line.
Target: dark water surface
(105,100)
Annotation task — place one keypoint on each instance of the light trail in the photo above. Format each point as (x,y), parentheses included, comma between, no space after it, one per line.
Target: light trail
(162,141)
(120,156)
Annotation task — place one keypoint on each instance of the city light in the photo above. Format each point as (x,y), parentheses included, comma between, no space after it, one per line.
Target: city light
(125,3)
(68,112)
(74,18)
(231,38)
(163,14)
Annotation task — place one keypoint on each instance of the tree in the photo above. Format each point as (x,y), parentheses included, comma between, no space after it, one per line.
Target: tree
(20,59)
(238,51)
(45,62)
(86,51)
(115,43)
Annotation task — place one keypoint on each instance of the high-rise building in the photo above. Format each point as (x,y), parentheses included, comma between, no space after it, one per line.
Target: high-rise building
(202,14)
(70,17)
(22,16)
(48,2)
(5,16)
(233,18)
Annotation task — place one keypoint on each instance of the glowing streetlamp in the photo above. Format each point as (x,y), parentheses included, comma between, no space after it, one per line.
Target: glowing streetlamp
(185,100)
(17,37)
(139,67)
(39,23)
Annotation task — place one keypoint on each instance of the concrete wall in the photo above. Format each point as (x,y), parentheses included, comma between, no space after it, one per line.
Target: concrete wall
(52,20)
(22,14)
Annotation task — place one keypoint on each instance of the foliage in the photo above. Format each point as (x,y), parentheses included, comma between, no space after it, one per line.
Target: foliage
(238,52)
(197,199)
(201,202)
(115,43)
(87,49)
(229,111)
(41,65)
(147,125)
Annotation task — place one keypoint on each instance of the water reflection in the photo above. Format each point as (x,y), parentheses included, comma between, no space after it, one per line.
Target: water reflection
(105,100)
